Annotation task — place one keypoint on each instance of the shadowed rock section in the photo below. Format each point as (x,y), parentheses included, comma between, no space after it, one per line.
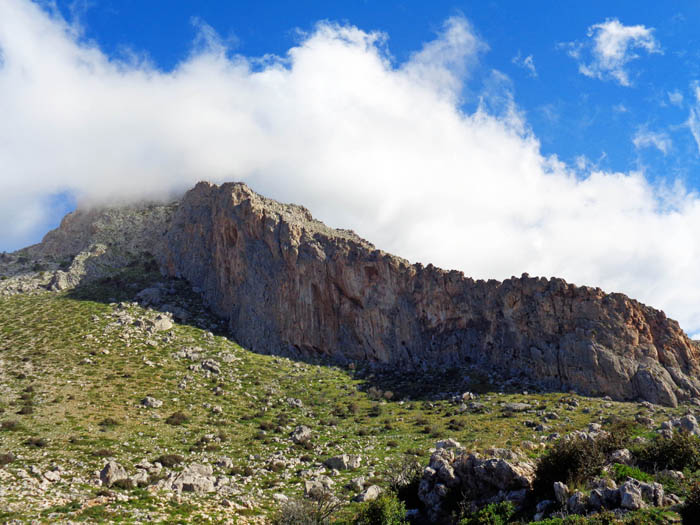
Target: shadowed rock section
(288,283)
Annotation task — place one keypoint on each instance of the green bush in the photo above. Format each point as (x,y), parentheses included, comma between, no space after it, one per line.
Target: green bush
(36,442)
(655,516)
(493,514)
(108,423)
(605,518)
(690,511)
(387,509)
(678,452)
(9,425)
(620,432)
(622,472)
(169,460)
(177,418)
(570,461)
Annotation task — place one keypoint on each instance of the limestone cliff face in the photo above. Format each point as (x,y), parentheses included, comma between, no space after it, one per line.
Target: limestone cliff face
(288,283)
(87,246)
(127,229)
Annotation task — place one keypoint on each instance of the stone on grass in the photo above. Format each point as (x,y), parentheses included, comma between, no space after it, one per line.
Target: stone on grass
(301,434)
(112,473)
(343,462)
(151,402)
(369,494)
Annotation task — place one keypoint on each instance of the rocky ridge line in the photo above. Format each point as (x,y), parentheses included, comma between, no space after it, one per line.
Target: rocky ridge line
(289,284)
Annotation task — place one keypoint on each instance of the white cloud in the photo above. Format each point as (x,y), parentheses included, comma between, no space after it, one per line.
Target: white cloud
(612,47)
(365,144)
(526,63)
(644,138)
(694,117)
(675,98)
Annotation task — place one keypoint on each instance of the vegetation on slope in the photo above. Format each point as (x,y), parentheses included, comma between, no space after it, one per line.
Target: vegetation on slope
(76,367)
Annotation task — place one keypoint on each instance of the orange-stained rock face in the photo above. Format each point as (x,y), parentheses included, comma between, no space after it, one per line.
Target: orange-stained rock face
(288,283)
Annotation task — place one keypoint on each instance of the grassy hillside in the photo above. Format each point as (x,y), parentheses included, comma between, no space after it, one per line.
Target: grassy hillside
(75,367)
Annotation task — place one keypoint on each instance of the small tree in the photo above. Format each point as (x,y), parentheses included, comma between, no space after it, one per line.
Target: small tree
(308,511)
(387,509)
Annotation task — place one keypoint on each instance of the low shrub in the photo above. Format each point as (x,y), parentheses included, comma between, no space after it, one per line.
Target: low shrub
(387,509)
(619,434)
(9,425)
(306,511)
(26,410)
(108,423)
(690,511)
(103,453)
(680,451)
(36,442)
(622,472)
(177,418)
(493,514)
(569,461)
(267,426)
(169,460)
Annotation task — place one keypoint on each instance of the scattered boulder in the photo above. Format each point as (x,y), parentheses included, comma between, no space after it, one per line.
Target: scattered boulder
(112,473)
(561,493)
(162,323)
(211,365)
(151,402)
(52,476)
(280,498)
(623,456)
(301,434)
(631,496)
(448,443)
(369,494)
(577,503)
(690,424)
(140,479)
(315,489)
(196,478)
(516,407)
(344,462)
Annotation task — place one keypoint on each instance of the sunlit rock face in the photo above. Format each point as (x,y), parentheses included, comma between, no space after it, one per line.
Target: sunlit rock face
(288,283)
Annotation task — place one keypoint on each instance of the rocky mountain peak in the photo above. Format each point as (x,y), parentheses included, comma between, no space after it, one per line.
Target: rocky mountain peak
(288,284)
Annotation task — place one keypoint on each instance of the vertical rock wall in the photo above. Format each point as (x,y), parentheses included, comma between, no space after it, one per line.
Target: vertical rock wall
(287,282)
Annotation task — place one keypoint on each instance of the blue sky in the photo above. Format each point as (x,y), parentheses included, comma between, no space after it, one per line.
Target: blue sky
(491,137)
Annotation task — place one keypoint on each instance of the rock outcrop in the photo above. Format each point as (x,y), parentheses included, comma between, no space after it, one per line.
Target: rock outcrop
(287,283)
(500,476)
